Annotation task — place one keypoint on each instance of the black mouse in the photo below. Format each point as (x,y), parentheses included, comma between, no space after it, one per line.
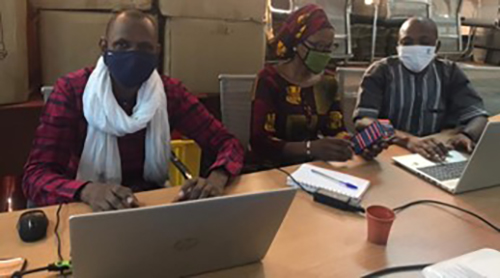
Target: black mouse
(32,225)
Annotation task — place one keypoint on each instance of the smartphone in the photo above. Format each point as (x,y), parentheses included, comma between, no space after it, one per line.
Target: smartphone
(376,132)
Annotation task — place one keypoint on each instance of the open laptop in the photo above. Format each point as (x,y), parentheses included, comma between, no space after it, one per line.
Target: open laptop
(180,239)
(461,173)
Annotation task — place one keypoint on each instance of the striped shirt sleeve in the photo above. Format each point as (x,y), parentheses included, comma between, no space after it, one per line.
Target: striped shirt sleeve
(465,102)
(192,119)
(371,93)
(45,180)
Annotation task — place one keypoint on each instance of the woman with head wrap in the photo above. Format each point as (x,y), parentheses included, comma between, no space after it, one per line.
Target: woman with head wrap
(296,114)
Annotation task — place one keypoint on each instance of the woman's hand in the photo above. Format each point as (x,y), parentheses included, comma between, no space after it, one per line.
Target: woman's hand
(332,149)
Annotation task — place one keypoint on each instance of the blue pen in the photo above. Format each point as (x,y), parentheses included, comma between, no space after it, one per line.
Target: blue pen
(348,185)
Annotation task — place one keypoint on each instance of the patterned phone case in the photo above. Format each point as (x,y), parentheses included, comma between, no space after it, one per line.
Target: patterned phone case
(377,131)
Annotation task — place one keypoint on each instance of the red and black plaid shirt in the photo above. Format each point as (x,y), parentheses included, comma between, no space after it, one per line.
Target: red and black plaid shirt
(53,163)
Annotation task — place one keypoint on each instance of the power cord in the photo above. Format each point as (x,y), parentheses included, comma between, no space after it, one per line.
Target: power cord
(403,207)
(329,198)
(420,202)
(295,181)
(61,266)
(56,232)
(391,270)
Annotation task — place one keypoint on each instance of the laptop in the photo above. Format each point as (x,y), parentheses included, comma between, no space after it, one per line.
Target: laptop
(177,240)
(460,172)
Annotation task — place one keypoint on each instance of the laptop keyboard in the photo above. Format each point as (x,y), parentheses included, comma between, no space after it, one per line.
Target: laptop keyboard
(444,172)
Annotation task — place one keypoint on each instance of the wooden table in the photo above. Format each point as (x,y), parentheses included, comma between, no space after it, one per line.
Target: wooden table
(318,241)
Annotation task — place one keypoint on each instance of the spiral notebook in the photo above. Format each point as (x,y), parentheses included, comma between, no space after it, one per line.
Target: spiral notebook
(312,181)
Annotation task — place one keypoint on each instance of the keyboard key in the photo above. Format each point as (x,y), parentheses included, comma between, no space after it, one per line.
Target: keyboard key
(445,172)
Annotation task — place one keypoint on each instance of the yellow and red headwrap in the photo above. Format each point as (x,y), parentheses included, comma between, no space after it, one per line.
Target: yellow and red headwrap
(300,25)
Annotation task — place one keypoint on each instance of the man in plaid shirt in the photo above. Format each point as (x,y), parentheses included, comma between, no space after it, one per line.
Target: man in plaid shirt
(51,170)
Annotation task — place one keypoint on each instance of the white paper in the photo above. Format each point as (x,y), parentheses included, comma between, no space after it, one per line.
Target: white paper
(484,263)
(305,176)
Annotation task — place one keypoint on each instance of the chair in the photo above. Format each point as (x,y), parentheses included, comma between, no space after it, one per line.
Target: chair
(189,153)
(483,13)
(46,91)
(407,8)
(236,104)
(349,79)
(339,13)
(11,194)
(446,14)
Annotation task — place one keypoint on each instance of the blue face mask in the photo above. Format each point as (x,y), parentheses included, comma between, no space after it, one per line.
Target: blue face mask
(130,68)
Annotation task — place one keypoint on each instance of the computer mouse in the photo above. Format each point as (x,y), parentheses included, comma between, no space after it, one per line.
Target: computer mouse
(32,225)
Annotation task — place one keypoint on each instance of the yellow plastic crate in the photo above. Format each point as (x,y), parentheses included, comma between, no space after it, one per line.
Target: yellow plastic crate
(190,154)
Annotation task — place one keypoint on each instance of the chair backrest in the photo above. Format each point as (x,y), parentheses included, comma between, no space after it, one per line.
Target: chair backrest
(480,13)
(446,14)
(408,8)
(339,13)
(46,91)
(349,79)
(236,104)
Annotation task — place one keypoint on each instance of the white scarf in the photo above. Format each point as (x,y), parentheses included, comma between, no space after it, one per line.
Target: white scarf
(100,160)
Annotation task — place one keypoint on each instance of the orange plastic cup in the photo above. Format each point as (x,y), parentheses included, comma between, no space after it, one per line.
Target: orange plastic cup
(379,220)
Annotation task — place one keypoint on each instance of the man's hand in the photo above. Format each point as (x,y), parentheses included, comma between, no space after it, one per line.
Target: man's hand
(200,188)
(461,141)
(374,150)
(103,197)
(332,149)
(429,148)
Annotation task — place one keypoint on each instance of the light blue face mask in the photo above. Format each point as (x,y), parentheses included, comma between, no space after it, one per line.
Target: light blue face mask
(416,57)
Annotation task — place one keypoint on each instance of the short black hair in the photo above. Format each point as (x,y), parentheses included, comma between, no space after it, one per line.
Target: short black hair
(133,13)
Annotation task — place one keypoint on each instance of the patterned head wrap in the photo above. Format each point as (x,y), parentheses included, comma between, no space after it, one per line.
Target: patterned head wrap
(299,26)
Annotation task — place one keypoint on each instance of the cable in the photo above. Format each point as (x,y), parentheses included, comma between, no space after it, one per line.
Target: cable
(403,207)
(294,180)
(327,198)
(395,269)
(56,232)
(61,266)
(20,274)
(391,270)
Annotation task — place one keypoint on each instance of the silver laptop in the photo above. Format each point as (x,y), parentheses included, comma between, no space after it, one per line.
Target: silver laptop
(460,172)
(177,240)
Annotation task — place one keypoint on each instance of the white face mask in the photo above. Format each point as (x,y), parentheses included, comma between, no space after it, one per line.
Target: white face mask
(416,57)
